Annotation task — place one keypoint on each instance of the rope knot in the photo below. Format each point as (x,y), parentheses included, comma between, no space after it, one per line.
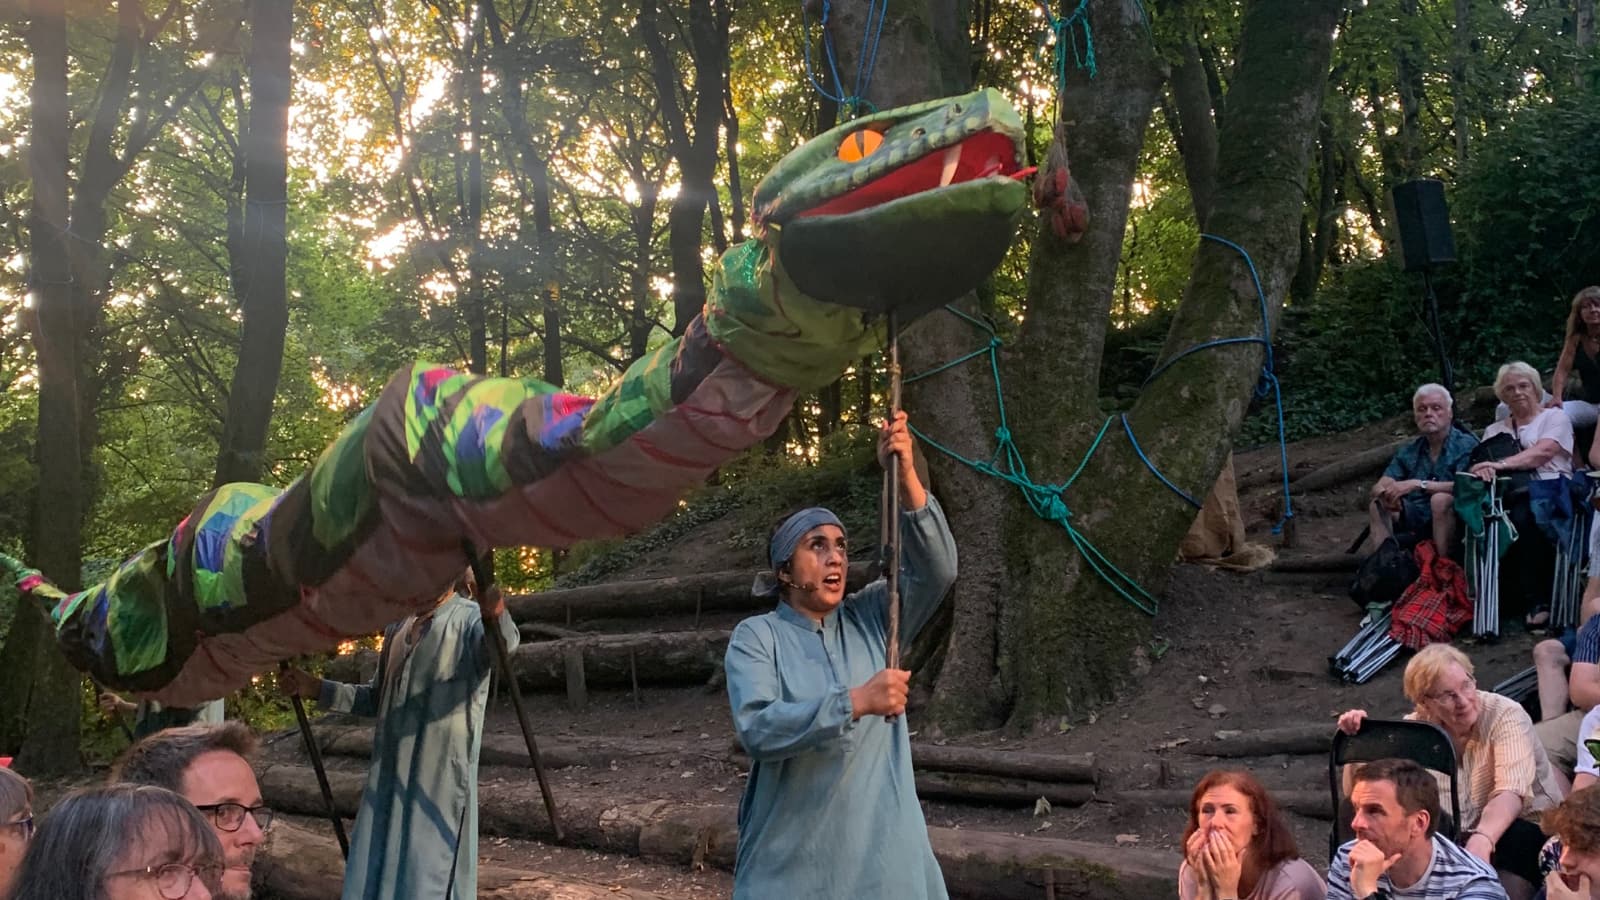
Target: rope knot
(1055,509)
(995,343)
(1002,434)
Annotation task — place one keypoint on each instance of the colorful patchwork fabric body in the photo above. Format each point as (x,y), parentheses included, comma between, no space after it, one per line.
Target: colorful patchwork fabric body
(375,531)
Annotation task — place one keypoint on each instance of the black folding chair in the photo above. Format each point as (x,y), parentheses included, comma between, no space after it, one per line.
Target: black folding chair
(1421,742)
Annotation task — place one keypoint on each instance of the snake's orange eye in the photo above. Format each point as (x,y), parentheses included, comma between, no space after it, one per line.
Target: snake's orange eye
(858,145)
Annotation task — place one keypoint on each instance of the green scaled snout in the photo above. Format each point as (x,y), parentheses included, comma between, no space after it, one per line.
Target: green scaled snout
(906,209)
(814,174)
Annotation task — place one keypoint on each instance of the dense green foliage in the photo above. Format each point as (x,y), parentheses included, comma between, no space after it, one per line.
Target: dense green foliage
(428,142)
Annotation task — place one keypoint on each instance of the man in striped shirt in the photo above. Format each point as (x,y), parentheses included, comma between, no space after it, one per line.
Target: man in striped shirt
(1396,854)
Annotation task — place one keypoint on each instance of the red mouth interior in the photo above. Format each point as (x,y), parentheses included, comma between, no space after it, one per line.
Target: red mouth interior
(983,155)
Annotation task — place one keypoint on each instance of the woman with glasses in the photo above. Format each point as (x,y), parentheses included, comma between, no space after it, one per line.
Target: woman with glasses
(16,824)
(1502,769)
(121,842)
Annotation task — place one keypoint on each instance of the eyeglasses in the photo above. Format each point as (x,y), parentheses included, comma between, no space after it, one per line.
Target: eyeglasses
(25,823)
(1460,695)
(230,816)
(173,880)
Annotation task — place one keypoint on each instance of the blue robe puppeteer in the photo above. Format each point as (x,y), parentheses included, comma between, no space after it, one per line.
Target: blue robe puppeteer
(417,832)
(830,810)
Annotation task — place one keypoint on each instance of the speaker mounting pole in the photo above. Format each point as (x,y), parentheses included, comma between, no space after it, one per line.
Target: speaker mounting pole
(1423,222)
(1447,374)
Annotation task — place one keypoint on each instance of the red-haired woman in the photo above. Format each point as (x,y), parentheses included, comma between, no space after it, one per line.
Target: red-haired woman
(1237,846)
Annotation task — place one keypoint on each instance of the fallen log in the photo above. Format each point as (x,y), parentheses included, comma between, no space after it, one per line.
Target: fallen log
(1365,464)
(300,864)
(705,592)
(510,750)
(985,789)
(1007,867)
(1311,804)
(1297,740)
(609,660)
(976,864)
(1070,768)
(1321,562)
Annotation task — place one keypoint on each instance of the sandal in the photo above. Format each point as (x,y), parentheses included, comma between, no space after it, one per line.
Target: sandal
(1538,617)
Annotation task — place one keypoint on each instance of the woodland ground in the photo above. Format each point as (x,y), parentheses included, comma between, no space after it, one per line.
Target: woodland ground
(1231,652)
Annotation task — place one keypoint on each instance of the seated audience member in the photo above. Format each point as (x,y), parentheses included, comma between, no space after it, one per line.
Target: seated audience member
(1580,350)
(16,824)
(1560,686)
(121,842)
(1545,438)
(1238,847)
(1503,773)
(1397,852)
(1572,857)
(209,765)
(1412,499)
(1584,770)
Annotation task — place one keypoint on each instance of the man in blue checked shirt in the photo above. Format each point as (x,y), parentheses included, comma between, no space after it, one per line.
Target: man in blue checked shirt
(830,809)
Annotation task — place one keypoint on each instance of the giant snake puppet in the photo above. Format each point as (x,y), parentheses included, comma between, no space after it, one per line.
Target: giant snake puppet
(848,226)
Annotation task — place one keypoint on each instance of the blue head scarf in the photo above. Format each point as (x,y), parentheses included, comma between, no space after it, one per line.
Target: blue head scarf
(784,540)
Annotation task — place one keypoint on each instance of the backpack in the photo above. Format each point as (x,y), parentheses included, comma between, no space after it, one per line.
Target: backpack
(1502,446)
(1383,576)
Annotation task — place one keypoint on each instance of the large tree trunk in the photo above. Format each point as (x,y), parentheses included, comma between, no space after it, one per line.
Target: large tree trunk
(1409,62)
(923,52)
(1460,75)
(696,151)
(261,255)
(536,167)
(1584,30)
(41,690)
(1068,639)
(1197,129)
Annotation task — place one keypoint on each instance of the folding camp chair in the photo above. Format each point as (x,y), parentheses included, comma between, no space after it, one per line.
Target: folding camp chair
(1422,742)
(1520,687)
(1368,652)
(1487,533)
(1572,556)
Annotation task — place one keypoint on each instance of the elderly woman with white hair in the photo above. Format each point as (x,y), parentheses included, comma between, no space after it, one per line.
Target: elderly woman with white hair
(1502,770)
(1542,442)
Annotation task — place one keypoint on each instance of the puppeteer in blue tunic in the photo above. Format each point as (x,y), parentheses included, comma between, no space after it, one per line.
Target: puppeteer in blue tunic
(830,809)
(417,831)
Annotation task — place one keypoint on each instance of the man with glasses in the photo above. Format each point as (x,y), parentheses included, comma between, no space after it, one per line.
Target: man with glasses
(16,824)
(1504,774)
(209,765)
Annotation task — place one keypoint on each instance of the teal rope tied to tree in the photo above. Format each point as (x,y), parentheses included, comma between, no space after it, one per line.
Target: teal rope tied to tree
(1065,30)
(853,104)
(1046,500)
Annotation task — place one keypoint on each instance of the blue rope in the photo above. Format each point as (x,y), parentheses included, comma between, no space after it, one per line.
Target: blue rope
(1269,376)
(855,102)
(1046,500)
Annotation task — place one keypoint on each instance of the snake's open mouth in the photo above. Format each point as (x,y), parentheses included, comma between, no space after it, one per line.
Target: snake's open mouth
(986,154)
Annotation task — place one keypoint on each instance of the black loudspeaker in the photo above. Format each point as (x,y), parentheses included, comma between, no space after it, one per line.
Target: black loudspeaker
(1425,238)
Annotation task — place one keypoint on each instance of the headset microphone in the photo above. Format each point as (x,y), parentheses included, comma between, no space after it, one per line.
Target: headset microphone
(808,586)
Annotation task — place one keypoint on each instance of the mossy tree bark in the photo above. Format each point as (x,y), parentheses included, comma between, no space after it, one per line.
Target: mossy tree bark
(1035,633)
(41,689)
(1066,638)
